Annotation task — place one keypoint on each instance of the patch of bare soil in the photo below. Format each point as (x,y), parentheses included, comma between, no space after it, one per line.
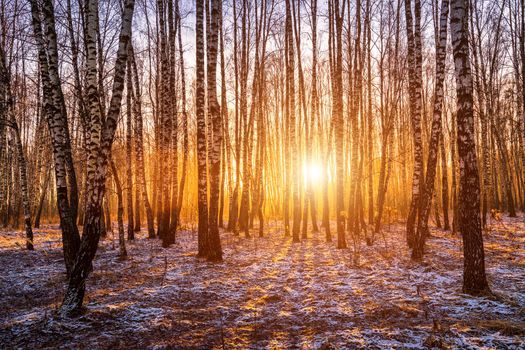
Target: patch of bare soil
(268,293)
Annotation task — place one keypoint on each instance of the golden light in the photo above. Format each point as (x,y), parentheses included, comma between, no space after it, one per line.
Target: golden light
(312,172)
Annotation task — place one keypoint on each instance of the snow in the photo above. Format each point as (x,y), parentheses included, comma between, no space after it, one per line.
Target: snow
(268,293)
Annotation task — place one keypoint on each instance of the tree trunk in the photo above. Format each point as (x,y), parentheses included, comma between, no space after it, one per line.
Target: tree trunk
(335,40)
(43,192)
(54,109)
(202,176)
(100,152)
(120,212)
(428,188)
(214,251)
(474,278)
(444,185)
(166,110)
(139,146)
(173,140)
(24,187)
(290,63)
(224,126)
(185,141)
(415,77)
(129,174)
(7,113)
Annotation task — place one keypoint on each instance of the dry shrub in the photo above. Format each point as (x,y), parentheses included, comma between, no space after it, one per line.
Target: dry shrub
(504,327)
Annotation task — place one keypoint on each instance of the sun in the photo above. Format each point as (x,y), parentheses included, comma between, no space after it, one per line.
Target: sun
(312,172)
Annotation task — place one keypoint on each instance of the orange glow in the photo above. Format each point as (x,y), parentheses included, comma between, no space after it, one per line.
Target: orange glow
(312,172)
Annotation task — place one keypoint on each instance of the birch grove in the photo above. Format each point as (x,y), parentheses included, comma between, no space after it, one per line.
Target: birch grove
(314,118)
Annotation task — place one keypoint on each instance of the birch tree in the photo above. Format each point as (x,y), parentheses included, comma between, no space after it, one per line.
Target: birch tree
(214,251)
(436,133)
(413,28)
(202,179)
(7,118)
(57,121)
(469,222)
(102,132)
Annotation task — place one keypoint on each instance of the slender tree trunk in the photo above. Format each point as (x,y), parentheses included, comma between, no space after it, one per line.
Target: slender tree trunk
(505,172)
(185,141)
(428,188)
(139,147)
(137,205)
(201,133)
(444,185)
(326,199)
(129,174)
(290,63)
(453,154)
(214,251)
(474,278)
(244,146)
(3,172)
(54,109)
(100,152)
(234,195)
(415,77)
(24,187)
(120,212)
(383,180)
(6,113)
(314,106)
(370,131)
(522,61)
(337,115)
(166,110)
(43,192)
(174,130)
(224,126)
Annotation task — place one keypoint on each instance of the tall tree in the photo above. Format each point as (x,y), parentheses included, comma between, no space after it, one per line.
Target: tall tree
(139,144)
(214,251)
(202,181)
(129,174)
(336,67)
(469,222)
(57,121)
(314,112)
(166,112)
(290,79)
(436,133)
(120,212)
(185,141)
(7,117)
(413,28)
(174,132)
(102,133)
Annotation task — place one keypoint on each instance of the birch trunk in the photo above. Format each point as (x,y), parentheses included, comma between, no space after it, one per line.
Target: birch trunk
(54,109)
(7,117)
(415,73)
(120,212)
(185,141)
(436,132)
(202,176)
(101,152)
(129,174)
(469,221)
(139,145)
(214,251)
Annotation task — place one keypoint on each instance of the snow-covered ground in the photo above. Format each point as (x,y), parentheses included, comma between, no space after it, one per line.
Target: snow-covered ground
(268,293)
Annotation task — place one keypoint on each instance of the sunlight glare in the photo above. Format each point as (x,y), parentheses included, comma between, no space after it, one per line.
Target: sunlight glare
(312,172)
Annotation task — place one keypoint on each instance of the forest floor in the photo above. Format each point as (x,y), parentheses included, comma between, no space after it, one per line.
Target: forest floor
(268,293)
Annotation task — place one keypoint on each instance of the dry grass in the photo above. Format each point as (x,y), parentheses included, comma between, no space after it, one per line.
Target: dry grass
(268,293)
